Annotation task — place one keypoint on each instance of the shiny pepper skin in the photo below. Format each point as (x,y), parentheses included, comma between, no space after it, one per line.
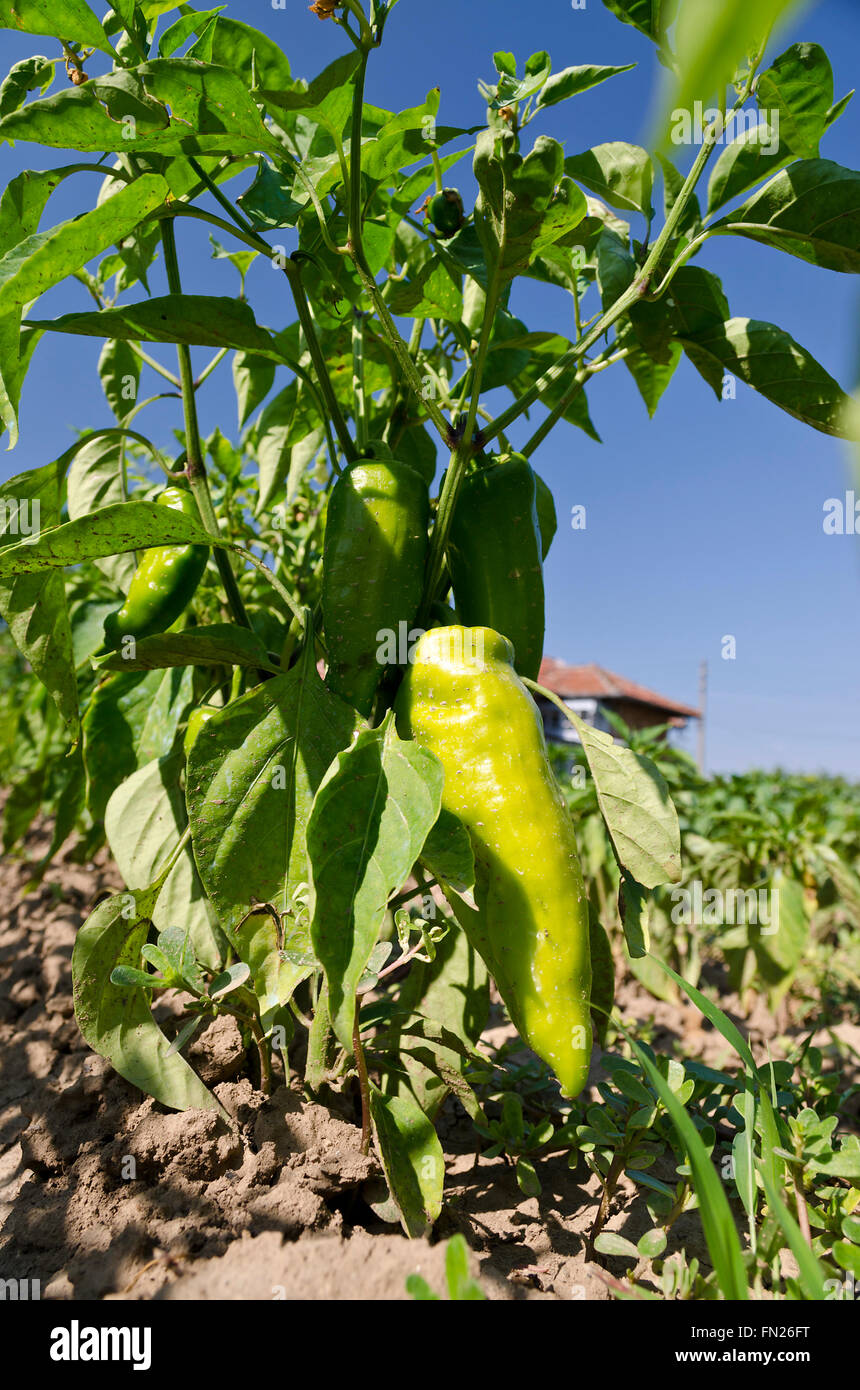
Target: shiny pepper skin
(462,699)
(446,212)
(163,583)
(196,719)
(495,555)
(373,570)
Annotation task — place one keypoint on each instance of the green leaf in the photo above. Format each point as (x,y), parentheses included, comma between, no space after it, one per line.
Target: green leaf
(608,1243)
(253,378)
(797,89)
(204,320)
(411,1158)
(112,531)
(133,717)
(43,259)
(621,174)
(717,1220)
(781,944)
(119,372)
(525,204)
(215,644)
(276,969)
(572,81)
(652,378)
(602,975)
(771,362)
(61,19)
(95,481)
(810,210)
(251,779)
(635,804)
(370,818)
(174,106)
(452,991)
(812,1274)
(650,17)
(144,820)
(652,1244)
(246,51)
(633,907)
(448,853)
(31,74)
(117,1022)
(34,604)
(744,163)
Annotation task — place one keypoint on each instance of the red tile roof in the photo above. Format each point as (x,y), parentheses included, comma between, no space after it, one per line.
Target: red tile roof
(597,682)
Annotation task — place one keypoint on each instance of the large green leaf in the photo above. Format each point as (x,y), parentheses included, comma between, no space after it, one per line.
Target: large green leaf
(205,320)
(771,362)
(525,204)
(651,17)
(144,820)
(622,174)
(168,106)
(95,480)
(252,775)
(745,162)
(133,717)
(371,816)
(452,992)
(411,1158)
(248,52)
(117,1021)
(212,644)
(112,531)
(572,81)
(34,604)
(636,806)
(796,93)
(60,19)
(811,210)
(41,260)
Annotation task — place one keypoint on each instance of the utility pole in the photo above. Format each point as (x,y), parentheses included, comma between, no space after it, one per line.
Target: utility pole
(703,704)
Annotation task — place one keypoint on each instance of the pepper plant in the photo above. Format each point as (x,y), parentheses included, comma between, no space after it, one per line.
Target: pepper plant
(270,843)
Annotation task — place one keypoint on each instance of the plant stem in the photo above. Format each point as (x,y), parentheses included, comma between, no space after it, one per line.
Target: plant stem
(263,1053)
(292,271)
(364,1085)
(635,292)
(360,412)
(156,366)
(195,468)
(210,367)
(616,1168)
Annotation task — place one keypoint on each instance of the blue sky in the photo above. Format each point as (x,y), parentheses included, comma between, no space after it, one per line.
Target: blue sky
(706,521)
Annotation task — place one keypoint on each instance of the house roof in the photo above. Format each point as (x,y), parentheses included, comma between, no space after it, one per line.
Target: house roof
(596,682)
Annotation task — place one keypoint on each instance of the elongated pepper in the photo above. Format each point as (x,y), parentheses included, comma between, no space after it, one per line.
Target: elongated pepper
(462,699)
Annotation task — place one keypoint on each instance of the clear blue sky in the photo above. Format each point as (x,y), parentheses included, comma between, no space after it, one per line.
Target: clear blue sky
(704,522)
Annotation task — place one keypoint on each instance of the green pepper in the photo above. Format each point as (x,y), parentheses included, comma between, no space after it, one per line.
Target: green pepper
(163,583)
(196,719)
(374,555)
(462,700)
(495,554)
(446,212)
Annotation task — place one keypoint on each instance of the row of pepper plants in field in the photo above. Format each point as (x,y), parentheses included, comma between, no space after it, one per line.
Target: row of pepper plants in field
(341,862)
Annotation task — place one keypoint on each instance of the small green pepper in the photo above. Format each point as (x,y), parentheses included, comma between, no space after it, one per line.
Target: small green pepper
(163,583)
(446,212)
(462,699)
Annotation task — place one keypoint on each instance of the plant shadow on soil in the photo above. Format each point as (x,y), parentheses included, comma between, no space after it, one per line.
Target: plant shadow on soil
(106,1194)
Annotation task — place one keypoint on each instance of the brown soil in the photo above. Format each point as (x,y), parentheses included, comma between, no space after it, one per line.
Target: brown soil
(106,1194)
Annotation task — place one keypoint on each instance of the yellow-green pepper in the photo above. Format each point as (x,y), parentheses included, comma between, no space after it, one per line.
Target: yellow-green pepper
(463,700)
